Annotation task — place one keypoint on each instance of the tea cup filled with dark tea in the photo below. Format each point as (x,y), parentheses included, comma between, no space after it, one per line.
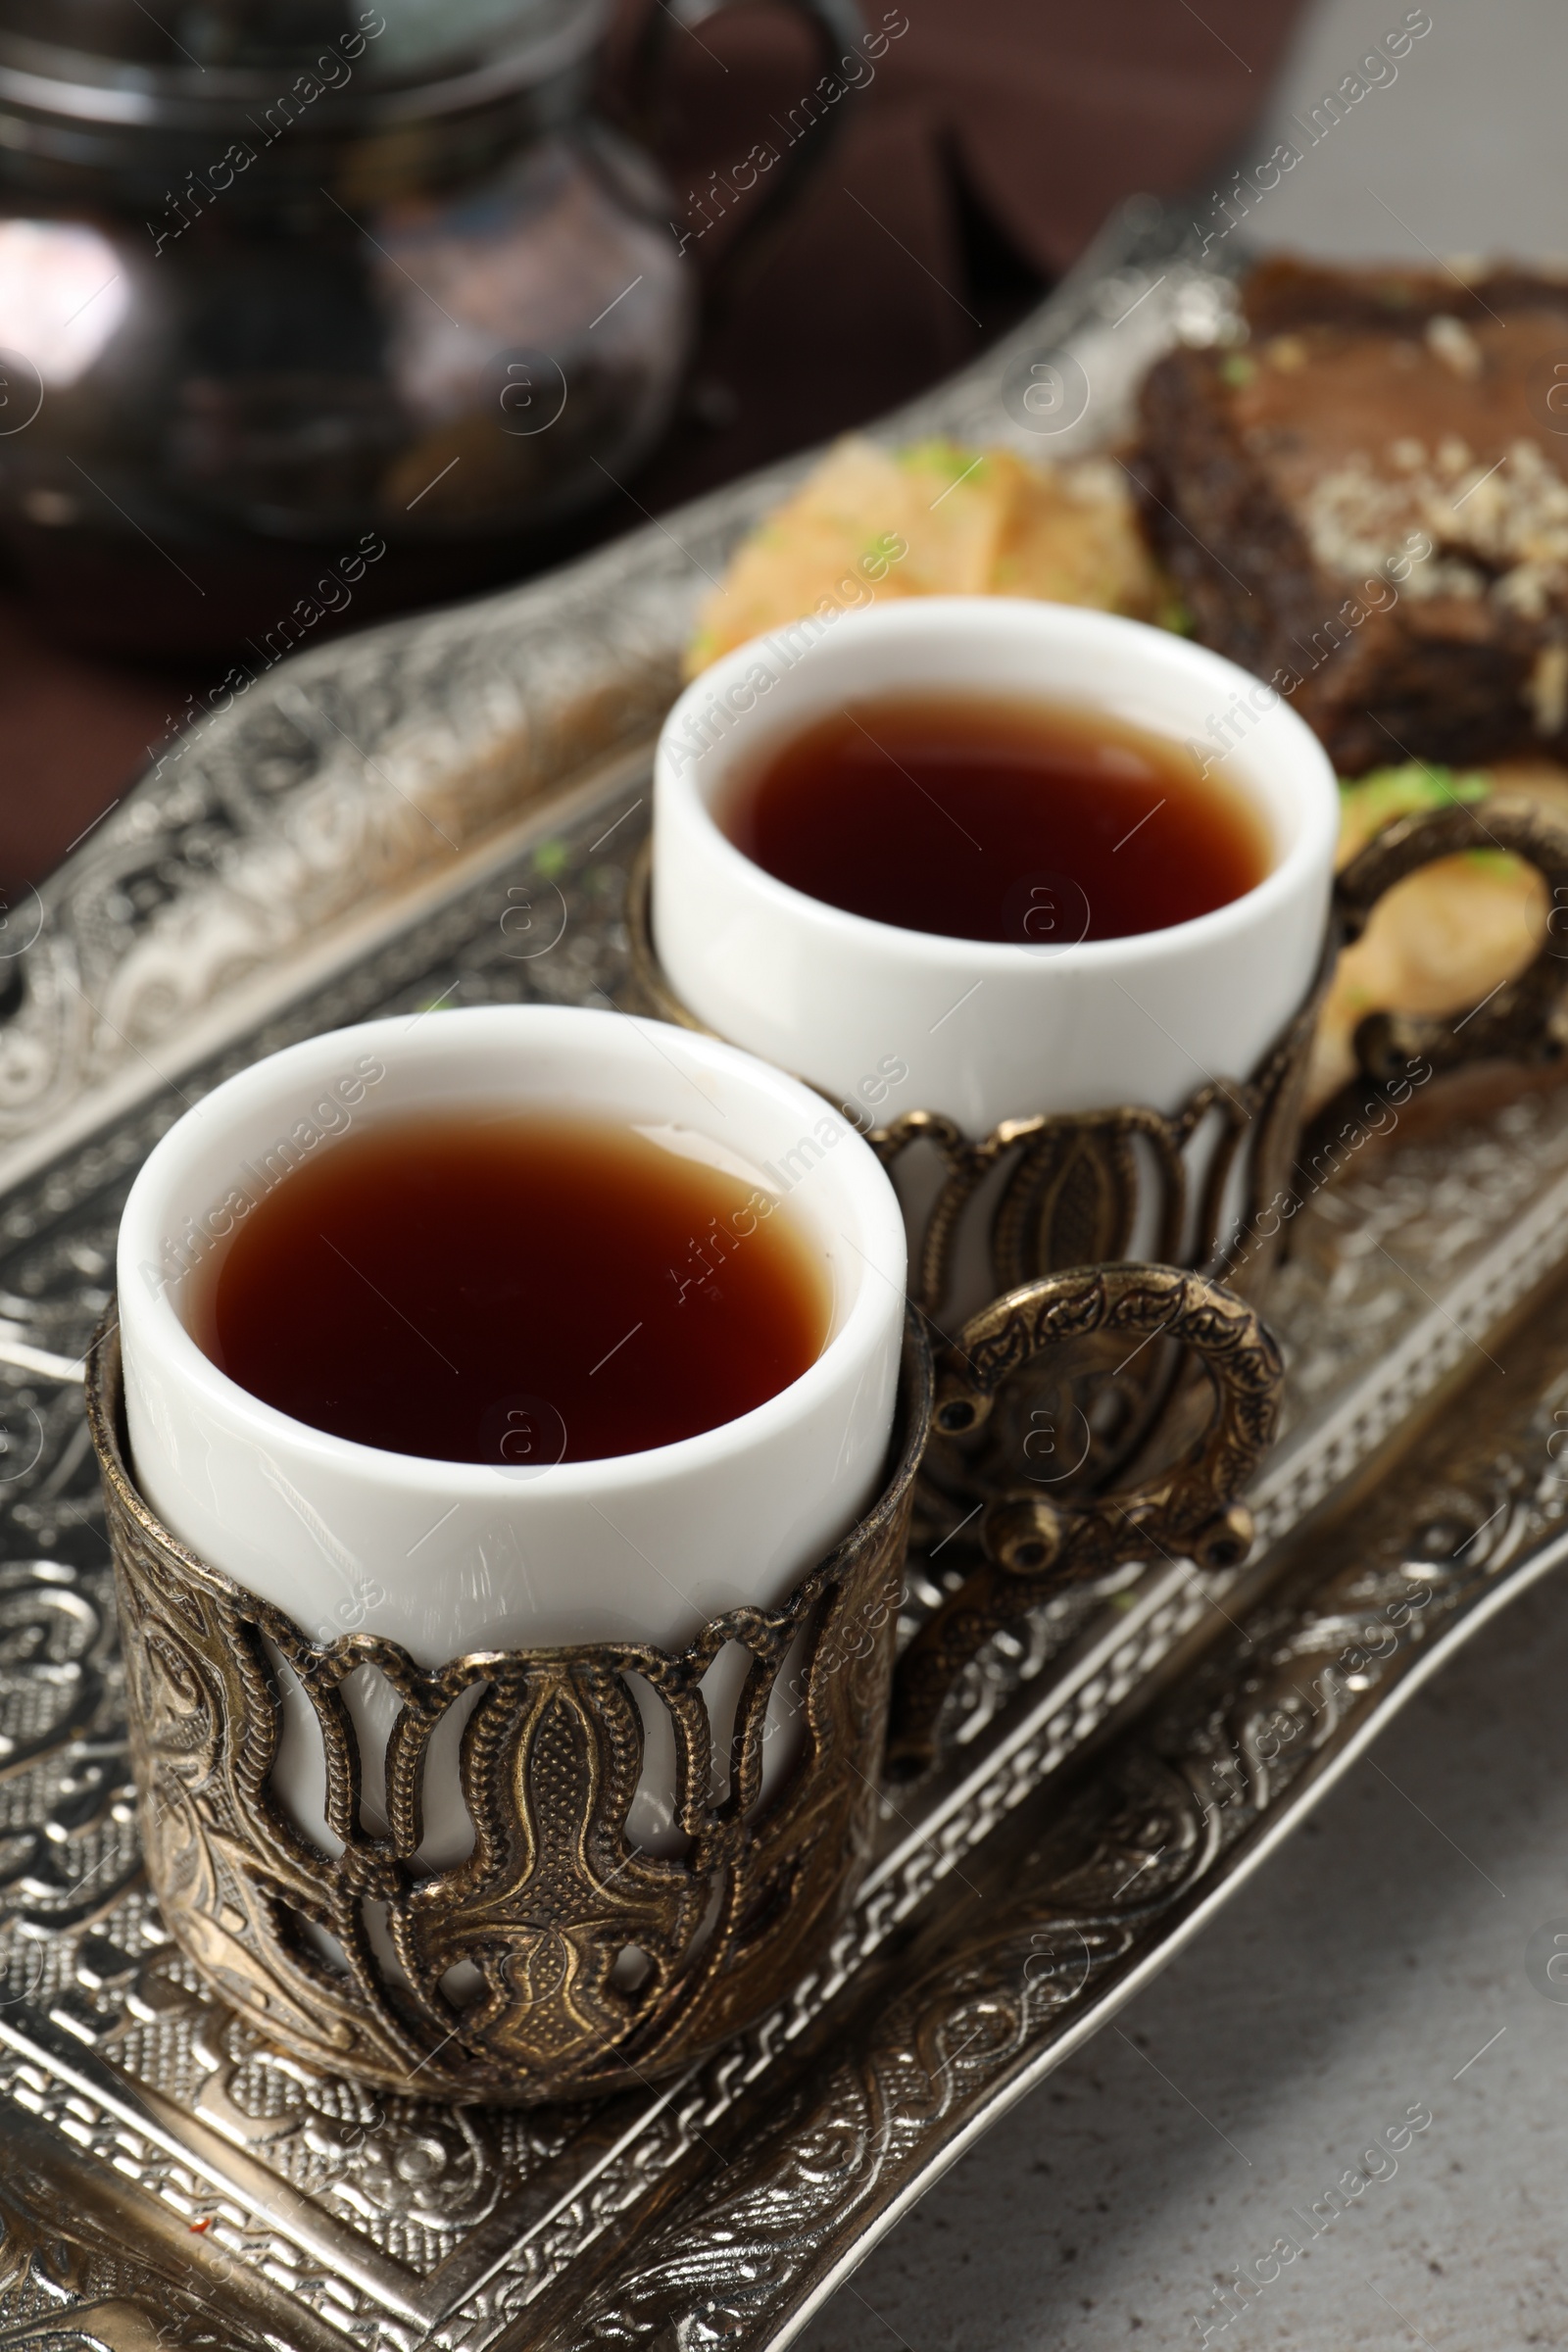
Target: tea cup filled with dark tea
(514,1289)
(1021,821)
(991,858)
(512,1327)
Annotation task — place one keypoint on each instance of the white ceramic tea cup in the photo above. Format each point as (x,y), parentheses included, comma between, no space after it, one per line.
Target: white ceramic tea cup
(983,1030)
(447,1557)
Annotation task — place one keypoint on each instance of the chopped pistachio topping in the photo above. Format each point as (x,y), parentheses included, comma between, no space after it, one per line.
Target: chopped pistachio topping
(949,458)
(1493,861)
(1390,792)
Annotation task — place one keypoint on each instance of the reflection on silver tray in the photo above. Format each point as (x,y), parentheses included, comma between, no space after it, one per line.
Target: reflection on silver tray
(369,831)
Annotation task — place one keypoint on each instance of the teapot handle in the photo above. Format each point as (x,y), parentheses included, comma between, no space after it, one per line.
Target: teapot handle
(1034,1548)
(837,25)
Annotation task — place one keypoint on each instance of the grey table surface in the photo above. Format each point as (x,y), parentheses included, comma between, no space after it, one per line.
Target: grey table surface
(1358,1976)
(1393,1955)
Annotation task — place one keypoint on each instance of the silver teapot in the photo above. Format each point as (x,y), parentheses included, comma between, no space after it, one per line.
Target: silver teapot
(301,286)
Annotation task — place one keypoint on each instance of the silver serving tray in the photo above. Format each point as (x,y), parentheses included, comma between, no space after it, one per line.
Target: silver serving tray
(445,811)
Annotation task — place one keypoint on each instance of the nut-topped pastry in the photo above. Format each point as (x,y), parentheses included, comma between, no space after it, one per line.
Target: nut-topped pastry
(1366,502)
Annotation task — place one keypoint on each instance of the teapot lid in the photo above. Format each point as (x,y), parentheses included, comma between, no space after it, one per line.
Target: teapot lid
(186,62)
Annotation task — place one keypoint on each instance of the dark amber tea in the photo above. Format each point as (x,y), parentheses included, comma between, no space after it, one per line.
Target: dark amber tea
(517,1289)
(990,819)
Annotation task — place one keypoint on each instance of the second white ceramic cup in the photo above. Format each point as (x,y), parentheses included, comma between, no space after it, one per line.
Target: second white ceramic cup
(889,1020)
(447,1557)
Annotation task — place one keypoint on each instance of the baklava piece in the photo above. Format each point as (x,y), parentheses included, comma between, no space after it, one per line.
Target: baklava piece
(1366,503)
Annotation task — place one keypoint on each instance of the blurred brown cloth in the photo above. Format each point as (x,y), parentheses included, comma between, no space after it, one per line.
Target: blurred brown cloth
(985,142)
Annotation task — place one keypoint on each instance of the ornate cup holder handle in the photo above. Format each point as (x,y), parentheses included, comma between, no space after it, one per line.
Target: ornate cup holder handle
(1034,1548)
(1521,1021)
